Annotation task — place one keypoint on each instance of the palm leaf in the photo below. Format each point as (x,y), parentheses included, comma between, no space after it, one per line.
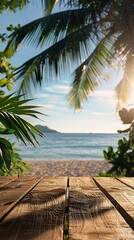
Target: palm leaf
(48,5)
(5,155)
(124,89)
(69,36)
(87,75)
(11,107)
(60,24)
(6,131)
(56,58)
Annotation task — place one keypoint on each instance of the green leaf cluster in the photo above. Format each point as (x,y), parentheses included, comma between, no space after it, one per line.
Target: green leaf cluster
(5,153)
(122,159)
(11,5)
(127,117)
(12,107)
(14,165)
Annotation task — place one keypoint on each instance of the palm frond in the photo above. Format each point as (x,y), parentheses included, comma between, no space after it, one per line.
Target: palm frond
(98,4)
(5,153)
(10,110)
(69,36)
(56,58)
(88,75)
(48,5)
(51,28)
(124,89)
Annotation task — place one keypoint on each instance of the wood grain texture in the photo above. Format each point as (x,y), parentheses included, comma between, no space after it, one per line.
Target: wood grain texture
(129,181)
(6,179)
(39,215)
(121,195)
(12,192)
(92,216)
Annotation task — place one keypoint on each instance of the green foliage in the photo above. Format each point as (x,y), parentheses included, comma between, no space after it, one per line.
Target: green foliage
(127,117)
(6,69)
(5,153)
(123,158)
(13,107)
(93,36)
(17,166)
(11,5)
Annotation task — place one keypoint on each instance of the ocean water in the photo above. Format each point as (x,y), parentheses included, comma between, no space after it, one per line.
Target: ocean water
(63,146)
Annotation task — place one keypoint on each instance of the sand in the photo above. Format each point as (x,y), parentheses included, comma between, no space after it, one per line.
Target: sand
(67,168)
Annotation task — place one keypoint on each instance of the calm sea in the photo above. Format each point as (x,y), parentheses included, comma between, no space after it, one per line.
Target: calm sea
(64,146)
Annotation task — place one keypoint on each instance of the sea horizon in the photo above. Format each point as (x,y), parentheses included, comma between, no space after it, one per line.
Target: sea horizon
(70,146)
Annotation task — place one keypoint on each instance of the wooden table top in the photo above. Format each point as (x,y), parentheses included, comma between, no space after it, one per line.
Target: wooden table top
(61,208)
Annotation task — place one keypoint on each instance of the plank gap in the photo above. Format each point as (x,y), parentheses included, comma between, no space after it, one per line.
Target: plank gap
(120,209)
(18,200)
(66,214)
(8,180)
(127,184)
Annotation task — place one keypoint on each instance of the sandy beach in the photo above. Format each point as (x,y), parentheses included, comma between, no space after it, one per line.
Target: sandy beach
(67,168)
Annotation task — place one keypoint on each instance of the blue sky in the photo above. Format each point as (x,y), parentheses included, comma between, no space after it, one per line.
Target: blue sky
(98,114)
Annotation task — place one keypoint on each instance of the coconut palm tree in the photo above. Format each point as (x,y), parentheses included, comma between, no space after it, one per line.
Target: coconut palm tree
(90,35)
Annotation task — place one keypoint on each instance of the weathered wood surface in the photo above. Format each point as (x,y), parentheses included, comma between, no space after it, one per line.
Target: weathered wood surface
(5,180)
(120,195)
(36,208)
(92,215)
(12,192)
(39,215)
(129,181)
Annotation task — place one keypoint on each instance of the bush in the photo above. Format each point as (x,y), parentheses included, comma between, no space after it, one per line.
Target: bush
(122,159)
(17,166)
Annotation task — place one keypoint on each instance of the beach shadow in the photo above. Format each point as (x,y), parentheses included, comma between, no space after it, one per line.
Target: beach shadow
(35,197)
(39,213)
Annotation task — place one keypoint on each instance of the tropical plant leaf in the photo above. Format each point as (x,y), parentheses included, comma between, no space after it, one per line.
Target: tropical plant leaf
(50,59)
(5,155)
(10,110)
(1,161)
(126,116)
(6,131)
(124,89)
(70,38)
(6,143)
(88,75)
(52,28)
(48,5)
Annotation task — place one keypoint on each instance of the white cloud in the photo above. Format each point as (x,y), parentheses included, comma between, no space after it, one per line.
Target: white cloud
(106,97)
(103,93)
(57,89)
(100,113)
(43,95)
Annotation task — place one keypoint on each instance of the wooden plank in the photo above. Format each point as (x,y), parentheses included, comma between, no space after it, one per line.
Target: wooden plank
(39,215)
(121,195)
(91,214)
(6,179)
(12,192)
(129,181)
